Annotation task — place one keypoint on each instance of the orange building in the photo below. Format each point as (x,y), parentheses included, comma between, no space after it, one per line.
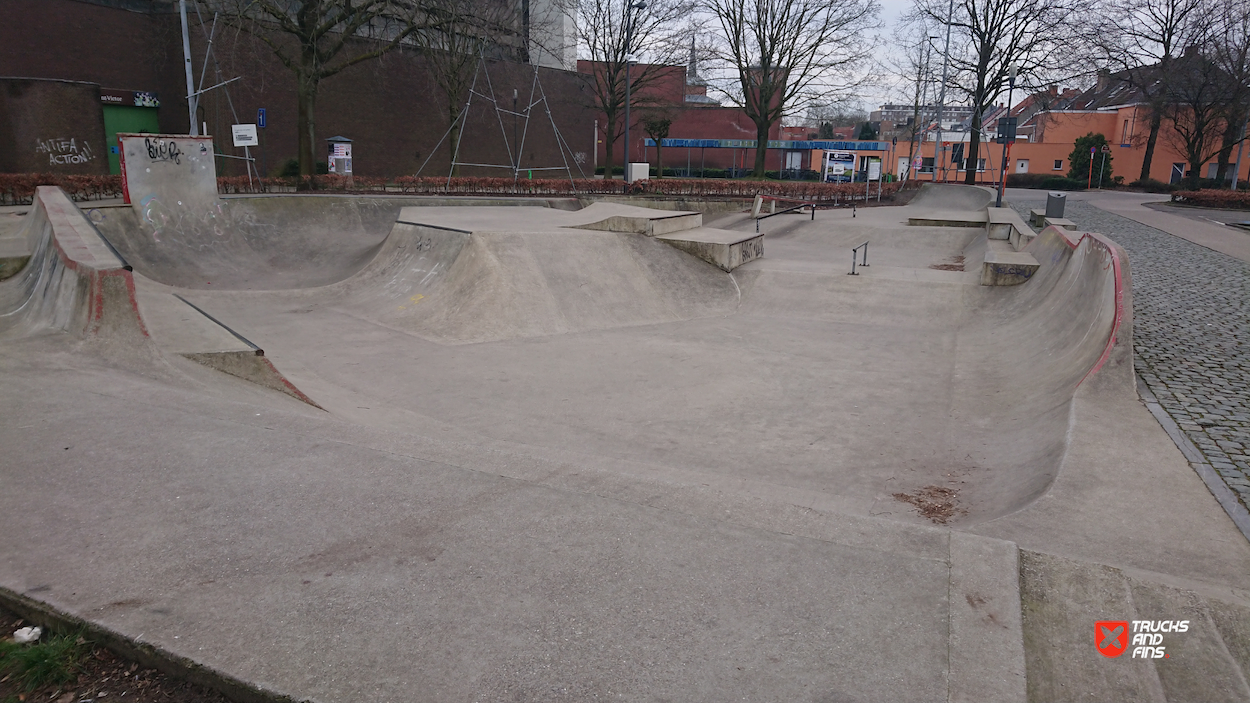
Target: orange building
(1050,124)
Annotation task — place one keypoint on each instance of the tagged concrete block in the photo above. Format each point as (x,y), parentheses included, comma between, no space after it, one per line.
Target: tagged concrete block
(1007,268)
(724,249)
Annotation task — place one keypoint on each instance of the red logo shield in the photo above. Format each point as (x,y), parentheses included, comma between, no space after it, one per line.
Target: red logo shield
(1111,637)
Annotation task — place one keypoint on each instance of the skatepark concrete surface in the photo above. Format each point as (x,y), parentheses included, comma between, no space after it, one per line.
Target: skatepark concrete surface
(384,449)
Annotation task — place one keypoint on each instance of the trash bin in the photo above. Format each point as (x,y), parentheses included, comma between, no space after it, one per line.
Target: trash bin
(1055,202)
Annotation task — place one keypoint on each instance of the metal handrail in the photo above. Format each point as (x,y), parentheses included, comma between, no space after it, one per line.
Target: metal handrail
(854,253)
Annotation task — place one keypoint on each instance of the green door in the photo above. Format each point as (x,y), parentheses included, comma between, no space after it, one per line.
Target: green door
(124,118)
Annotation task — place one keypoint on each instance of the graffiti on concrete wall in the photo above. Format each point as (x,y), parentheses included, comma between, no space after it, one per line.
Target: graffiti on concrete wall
(163,150)
(64,151)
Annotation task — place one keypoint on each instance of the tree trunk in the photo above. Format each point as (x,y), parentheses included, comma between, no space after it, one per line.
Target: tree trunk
(1195,173)
(306,126)
(761,148)
(659,159)
(1226,152)
(1156,120)
(973,154)
(609,141)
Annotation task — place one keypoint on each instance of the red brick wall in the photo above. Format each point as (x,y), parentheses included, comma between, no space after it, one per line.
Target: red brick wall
(389,106)
(51,126)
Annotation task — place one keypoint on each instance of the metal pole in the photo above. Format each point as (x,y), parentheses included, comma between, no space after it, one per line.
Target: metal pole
(946,59)
(186,60)
(1102,167)
(629,43)
(1003,174)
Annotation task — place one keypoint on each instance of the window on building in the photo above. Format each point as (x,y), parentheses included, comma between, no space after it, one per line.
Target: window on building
(926,165)
(1124,135)
(1058,165)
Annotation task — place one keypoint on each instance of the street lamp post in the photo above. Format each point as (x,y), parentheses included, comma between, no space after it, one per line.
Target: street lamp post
(1008,135)
(629,47)
(946,60)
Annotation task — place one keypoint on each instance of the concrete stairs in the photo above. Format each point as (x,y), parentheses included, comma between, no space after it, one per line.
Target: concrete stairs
(1061,599)
(725,249)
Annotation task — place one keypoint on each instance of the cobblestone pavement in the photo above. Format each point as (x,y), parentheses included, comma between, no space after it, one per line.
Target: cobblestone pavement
(1191,317)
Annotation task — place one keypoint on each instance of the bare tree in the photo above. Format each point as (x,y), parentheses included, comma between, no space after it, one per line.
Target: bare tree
(602,29)
(1231,53)
(316,39)
(1201,98)
(835,111)
(781,56)
(656,123)
(453,36)
(1139,40)
(912,66)
(988,37)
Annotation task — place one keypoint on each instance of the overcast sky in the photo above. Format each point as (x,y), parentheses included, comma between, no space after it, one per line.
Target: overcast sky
(890,12)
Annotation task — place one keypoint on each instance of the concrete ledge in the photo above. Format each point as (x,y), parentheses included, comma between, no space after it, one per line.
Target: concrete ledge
(1059,222)
(986,628)
(1037,217)
(956,218)
(147,655)
(1007,268)
(650,226)
(724,249)
(1003,223)
(1022,238)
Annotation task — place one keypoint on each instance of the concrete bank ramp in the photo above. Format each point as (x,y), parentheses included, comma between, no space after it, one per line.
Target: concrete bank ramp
(73,282)
(951,196)
(461,275)
(949,205)
(1024,351)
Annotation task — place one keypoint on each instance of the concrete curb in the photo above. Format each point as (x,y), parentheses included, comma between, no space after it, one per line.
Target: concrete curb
(1223,494)
(147,655)
(986,655)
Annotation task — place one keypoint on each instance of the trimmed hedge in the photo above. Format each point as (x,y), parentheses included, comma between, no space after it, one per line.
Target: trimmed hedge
(20,188)
(1232,200)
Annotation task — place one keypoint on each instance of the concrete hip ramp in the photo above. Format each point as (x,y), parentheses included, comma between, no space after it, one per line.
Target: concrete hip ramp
(1025,351)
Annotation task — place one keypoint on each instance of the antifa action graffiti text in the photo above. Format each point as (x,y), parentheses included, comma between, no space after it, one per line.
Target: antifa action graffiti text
(64,152)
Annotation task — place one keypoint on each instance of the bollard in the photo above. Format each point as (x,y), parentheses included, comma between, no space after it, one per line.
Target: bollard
(1055,203)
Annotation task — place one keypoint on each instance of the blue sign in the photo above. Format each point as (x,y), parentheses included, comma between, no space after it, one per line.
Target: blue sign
(260,118)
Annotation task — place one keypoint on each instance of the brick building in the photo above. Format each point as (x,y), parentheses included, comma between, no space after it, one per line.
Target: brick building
(1052,120)
(80,70)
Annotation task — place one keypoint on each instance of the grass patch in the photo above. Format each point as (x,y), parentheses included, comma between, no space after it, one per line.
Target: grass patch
(52,661)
